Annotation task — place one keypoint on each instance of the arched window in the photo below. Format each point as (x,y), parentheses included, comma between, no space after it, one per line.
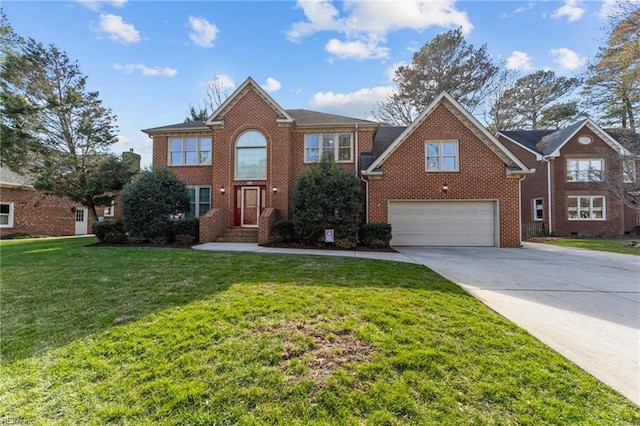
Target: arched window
(251,156)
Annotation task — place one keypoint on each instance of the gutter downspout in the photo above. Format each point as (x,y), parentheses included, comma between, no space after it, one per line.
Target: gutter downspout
(520,208)
(549,209)
(366,198)
(356,154)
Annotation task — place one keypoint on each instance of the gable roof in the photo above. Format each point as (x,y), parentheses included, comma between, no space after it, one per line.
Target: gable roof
(548,143)
(218,115)
(510,160)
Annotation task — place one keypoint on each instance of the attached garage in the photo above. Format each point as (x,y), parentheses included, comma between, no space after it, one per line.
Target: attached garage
(444,223)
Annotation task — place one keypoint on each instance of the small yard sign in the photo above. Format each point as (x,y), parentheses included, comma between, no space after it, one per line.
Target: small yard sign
(328,235)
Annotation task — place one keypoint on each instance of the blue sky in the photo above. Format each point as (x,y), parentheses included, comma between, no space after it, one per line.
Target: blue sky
(151,60)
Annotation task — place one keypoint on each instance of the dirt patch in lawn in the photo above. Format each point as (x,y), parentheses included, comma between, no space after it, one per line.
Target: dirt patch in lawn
(319,351)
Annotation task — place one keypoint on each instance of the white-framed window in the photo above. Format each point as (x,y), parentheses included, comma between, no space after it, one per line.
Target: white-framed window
(538,212)
(251,156)
(199,201)
(441,156)
(335,146)
(110,211)
(189,151)
(629,170)
(585,170)
(6,215)
(586,208)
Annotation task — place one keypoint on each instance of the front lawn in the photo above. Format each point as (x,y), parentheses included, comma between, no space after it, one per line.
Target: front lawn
(94,335)
(616,245)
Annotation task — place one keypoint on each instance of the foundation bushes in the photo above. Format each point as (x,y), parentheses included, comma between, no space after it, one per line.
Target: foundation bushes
(282,232)
(110,232)
(375,235)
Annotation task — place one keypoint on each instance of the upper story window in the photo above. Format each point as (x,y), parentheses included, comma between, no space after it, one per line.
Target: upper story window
(199,201)
(6,215)
(441,156)
(629,170)
(251,156)
(189,151)
(586,208)
(587,170)
(335,146)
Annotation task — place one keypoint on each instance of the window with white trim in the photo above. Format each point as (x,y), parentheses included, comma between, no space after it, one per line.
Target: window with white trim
(189,151)
(629,170)
(586,208)
(335,146)
(251,156)
(538,212)
(441,156)
(585,170)
(199,201)
(6,215)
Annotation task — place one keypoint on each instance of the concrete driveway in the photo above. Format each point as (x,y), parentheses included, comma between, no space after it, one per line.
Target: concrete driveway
(584,304)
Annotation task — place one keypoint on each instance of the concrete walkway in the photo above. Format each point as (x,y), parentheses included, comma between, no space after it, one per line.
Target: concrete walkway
(584,304)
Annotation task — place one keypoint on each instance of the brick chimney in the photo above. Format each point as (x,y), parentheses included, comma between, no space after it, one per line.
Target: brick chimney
(133,157)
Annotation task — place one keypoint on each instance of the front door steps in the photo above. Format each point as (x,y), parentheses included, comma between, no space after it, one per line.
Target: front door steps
(238,235)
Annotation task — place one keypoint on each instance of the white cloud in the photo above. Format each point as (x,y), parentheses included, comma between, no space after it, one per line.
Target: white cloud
(356,49)
(572,9)
(567,58)
(95,4)
(355,104)
(519,61)
(202,32)
(365,24)
(117,29)
(224,81)
(145,70)
(272,85)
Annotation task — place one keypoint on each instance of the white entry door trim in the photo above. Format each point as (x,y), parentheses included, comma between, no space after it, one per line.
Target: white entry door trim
(81,220)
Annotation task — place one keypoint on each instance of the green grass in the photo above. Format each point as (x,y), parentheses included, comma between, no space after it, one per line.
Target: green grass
(615,245)
(95,335)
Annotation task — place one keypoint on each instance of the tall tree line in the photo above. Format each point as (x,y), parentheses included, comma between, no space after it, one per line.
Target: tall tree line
(609,91)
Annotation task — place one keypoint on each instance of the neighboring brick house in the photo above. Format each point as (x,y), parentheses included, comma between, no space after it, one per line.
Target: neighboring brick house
(582,176)
(242,165)
(26,210)
(23,209)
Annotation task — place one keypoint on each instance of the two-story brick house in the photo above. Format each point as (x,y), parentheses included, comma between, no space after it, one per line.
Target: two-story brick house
(583,175)
(444,178)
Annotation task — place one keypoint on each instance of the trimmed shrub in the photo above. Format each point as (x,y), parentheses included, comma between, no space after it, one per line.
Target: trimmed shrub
(188,226)
(327,197)
(112,230)
(378,232)
(282,231)
(345,244)
(149,202)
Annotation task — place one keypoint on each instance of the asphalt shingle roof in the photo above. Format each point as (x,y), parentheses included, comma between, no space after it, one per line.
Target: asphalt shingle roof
(552,141)
(527,138)
(10,177)
(302,117)
(305,117)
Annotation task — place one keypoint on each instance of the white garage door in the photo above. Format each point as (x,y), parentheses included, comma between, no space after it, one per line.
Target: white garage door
(443,223)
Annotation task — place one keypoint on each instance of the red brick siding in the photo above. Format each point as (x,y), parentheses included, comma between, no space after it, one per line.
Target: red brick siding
(534,185)
(36,213)
(482,175)
(615,223)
